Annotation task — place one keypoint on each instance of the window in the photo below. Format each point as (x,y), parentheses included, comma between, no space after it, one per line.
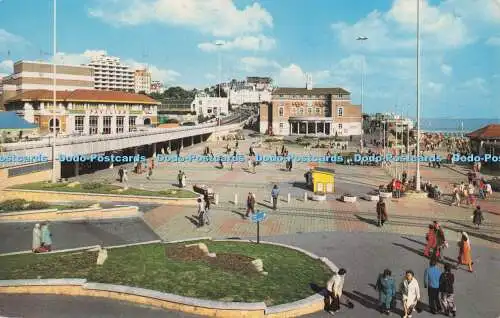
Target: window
(131,123)
(309,110)
(209,110)
(318,110)
(200,102)
(281,111)
(79,120)
(282,125)
(119,124)
(340,111)
(294,110)
(51,125)
(301,111)
(93,125)
(340,126)
(106,130)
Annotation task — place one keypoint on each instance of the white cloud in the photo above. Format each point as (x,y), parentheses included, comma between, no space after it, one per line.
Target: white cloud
(6,37)
(6,66)
(217,17)
(248,43)
(494,40)
(435,88)
(210,76)
(252,64)
(446,69)
(157,73)
(395,29)
(78,58)
(476,84)
(294,76)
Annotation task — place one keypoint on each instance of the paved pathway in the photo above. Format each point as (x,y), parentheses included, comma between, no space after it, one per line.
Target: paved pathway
(364,255)
(18,236)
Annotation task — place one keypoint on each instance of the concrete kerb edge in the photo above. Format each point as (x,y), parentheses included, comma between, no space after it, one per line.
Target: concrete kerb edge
(133,244)
(106,218)
(195,302)
(103,194)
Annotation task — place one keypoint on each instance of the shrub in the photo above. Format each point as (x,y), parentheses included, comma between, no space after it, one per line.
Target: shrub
(171,121)
(37,205)
(13,205)
(92,186)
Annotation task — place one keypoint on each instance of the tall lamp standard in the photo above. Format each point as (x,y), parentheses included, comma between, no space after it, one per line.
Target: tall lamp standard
(54,117)
(419,53)
(362,38)
(219,45)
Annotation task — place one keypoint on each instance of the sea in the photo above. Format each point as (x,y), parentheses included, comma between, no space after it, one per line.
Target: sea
(455,126)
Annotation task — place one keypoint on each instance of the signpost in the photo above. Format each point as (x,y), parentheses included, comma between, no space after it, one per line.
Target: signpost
(257,218)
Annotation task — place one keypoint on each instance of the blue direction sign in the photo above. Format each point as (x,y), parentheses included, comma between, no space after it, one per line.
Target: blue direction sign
(258,217)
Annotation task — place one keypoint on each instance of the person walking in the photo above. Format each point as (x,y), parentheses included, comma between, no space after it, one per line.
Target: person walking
(206,200)
(477,217)
(431,282)
(37,239)
(447,296)
(183,179)
(410,292)
(431,241)
(125,177)
(464,251)
(386,288)
(201,212)
(274,194)
(150,173)
(46,237)
(440,241)
(250,204)
(334,289)
(381,212)
(120,174)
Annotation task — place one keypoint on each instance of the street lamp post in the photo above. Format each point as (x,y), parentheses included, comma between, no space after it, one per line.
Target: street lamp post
(219,45)
(54,98)
(417,181)
(362,38)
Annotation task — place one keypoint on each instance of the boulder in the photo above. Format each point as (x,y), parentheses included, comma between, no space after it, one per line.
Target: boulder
(202,247)
(102,256)
(259,266)
(73,184)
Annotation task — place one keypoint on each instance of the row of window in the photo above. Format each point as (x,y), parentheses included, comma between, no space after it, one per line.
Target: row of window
(282,126)
(93,124)
(281,111)
(311,96)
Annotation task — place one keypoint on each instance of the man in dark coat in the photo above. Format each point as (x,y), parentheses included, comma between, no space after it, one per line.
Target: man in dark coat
(381,212)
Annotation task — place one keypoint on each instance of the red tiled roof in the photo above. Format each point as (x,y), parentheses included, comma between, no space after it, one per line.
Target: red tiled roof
(488,132)
(87,95)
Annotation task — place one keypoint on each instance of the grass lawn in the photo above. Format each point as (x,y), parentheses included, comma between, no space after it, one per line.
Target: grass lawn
(146,266)
(102,188)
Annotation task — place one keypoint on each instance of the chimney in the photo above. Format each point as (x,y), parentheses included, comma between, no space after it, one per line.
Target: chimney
(309,82)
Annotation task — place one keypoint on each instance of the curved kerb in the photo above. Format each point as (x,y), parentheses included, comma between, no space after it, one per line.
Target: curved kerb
(81,287)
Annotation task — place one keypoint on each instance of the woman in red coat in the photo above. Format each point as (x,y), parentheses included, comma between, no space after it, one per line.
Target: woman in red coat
(431,241)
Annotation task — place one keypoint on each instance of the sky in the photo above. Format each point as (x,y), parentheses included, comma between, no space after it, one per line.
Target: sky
(284,39)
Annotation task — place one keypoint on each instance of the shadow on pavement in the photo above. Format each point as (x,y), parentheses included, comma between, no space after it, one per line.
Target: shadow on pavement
(193,220)
(238,213)
(477,235)
(368,221)
(411,249)
(413,240)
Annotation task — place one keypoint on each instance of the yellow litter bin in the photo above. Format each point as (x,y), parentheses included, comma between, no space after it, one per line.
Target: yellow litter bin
(323,180)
